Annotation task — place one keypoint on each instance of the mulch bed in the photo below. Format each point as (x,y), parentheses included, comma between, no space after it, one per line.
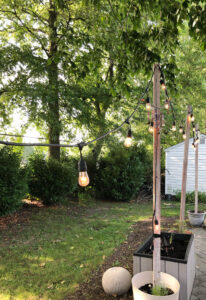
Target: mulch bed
(92,289)
(22,216)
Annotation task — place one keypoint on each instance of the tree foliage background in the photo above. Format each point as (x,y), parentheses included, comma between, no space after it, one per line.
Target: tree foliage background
(78,68)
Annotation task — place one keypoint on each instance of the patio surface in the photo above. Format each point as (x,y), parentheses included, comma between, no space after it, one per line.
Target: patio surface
(199,288)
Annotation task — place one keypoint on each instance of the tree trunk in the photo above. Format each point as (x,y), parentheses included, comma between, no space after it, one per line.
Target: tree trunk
(53,120)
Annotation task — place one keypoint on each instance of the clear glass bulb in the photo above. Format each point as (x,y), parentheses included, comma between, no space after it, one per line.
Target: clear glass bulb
(157,227)
(196,141)
(167,105)
(173,127)
(128,141)
(192,118)
(151,129)
(184,135)
(148,106)
(180,129)
(163,86)
(83,179)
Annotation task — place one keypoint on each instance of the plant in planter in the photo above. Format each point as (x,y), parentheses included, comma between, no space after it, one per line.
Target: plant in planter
(144,283)
(196,218)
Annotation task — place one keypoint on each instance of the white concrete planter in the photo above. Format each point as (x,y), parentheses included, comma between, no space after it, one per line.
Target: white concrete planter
(182,269)
(166,280)
(196,219)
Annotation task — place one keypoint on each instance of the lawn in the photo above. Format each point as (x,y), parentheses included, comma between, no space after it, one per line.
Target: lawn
(52,250)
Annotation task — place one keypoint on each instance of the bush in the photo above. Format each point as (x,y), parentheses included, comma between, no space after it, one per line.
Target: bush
(122,172)
(190,197)
(50,180)
(13,181)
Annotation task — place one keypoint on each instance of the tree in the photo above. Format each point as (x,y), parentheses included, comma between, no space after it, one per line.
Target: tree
(39,40)
(60,57)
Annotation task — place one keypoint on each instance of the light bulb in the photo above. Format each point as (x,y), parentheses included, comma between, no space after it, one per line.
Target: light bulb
(197,141)
(173,127)
(193,128)
(148,104)
(151,128)
(128,140)
(192,118)
(184,135)
(163,121)
(156,224)
(193,145)
(167,104)
(83,178)
(181,129)
(163,85)
(157,227)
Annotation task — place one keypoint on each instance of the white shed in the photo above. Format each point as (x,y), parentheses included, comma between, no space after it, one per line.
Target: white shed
(173,167)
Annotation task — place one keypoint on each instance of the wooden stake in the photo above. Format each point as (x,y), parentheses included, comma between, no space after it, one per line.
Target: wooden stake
(196,173)
(184,169)
(156,175)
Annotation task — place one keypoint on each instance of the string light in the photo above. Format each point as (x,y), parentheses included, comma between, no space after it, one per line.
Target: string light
(197,140)
(193,145)
(173,126)
(192,118)
(151,127)
(180,129)
(193,127)
(167,104)
(184,135)
(156,224)
(148,104)
(83,179)
(163,84)
(128,140)
(162,121)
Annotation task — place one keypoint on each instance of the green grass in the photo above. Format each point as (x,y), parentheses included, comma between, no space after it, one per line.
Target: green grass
(48,256)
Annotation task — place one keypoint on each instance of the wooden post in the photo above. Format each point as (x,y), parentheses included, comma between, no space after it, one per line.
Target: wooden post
(196,172)
(184,169)
(156,175)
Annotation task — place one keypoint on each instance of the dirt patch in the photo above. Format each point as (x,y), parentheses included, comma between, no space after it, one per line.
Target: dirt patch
(92,290)
(22,216)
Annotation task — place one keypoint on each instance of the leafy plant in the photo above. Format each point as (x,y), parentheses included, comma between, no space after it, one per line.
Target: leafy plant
(121,173)
(50,180)
(190,197)
(159,291)
(13,181)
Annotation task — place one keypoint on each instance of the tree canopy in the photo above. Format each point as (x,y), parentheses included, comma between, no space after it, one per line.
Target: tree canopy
(73,64)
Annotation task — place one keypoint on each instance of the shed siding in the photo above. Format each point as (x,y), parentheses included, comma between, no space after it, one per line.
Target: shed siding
(174,163)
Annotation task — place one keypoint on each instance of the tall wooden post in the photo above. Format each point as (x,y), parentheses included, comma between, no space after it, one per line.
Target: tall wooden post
(196,172)
(184,169)
(156,175)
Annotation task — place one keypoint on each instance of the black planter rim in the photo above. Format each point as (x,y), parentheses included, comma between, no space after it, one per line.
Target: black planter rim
(178,260)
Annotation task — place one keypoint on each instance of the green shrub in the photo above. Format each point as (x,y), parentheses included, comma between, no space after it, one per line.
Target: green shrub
(50,180)
(13,181)
(122,172)
(190,197)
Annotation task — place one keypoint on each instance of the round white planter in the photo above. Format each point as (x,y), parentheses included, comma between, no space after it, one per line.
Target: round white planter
(196,219)
(166,280)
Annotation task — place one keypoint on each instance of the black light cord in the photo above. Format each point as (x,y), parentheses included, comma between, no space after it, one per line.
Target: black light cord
(89,142)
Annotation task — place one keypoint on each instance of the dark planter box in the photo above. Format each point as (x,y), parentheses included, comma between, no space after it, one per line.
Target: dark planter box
(182,268)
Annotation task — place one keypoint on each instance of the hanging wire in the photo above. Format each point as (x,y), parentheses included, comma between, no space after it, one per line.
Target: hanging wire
(26,136)
(89,142)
